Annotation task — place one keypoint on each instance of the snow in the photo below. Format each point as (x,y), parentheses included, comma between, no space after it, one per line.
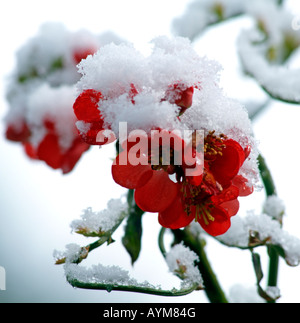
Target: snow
(275,36)
(267,230)
(115,69)
(273,292)
(100,222)
(71,254)
(42,85)
(201,13)
(181,262)
(263,51)
(285,85)
(241,294)
(99,274)
(274,207)
(52,104)
(180,259)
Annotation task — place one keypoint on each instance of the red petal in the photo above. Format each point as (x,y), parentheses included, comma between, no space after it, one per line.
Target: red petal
(193,165)
(137,140)
(226,166)
(105,137)
(82,53)
(130,176)
(232,207)
(184,96)
(30,150)
(90,137)
(49,151)
(220,224)
(247,151)
(160,139)
(49,124)
(175,217)
(18,134)
(229,194)
(86,106)
(133,92)
(72,156)
(186,99)
(157,194)
(241,183)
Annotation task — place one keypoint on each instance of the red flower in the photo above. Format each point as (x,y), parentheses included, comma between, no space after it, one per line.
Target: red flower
(52,154)
(181,95)
(86,110)
(209,198)
(211,212)
(147,172)
(214,201)
(19,133)
(82,53)
(86,106)
(50,151)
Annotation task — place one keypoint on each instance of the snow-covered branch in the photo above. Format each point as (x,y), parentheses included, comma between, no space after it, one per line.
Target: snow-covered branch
(280,82)
(201,14)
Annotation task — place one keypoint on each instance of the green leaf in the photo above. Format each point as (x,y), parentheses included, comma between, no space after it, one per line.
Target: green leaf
(133,235)
(259,276)
(257,267)
(133,230)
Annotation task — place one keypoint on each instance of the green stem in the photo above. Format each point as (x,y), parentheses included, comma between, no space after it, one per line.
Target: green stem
(274,266)
(212,289)
(266,177)
(104,237)
(132,288)
(273,254)
(161,241)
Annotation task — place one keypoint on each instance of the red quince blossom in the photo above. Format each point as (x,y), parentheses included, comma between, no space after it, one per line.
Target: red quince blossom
(210,197)
(180,95)
(87,110)
(17,133)
(82,53)
(145,176)
(48,149)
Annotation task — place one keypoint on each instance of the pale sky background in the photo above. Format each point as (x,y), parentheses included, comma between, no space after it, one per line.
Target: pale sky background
(37,204)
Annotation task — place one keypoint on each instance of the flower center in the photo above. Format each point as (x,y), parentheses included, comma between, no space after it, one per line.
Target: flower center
(197,197)
(162,159)
(213,145)
(204,211)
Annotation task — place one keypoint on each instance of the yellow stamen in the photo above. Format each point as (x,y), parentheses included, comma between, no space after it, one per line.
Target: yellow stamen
(202,211)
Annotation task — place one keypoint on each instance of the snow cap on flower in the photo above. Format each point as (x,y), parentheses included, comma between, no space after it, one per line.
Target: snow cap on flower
(41,93)
(115,69)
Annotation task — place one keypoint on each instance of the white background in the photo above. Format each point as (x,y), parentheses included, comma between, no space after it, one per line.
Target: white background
(37,204)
